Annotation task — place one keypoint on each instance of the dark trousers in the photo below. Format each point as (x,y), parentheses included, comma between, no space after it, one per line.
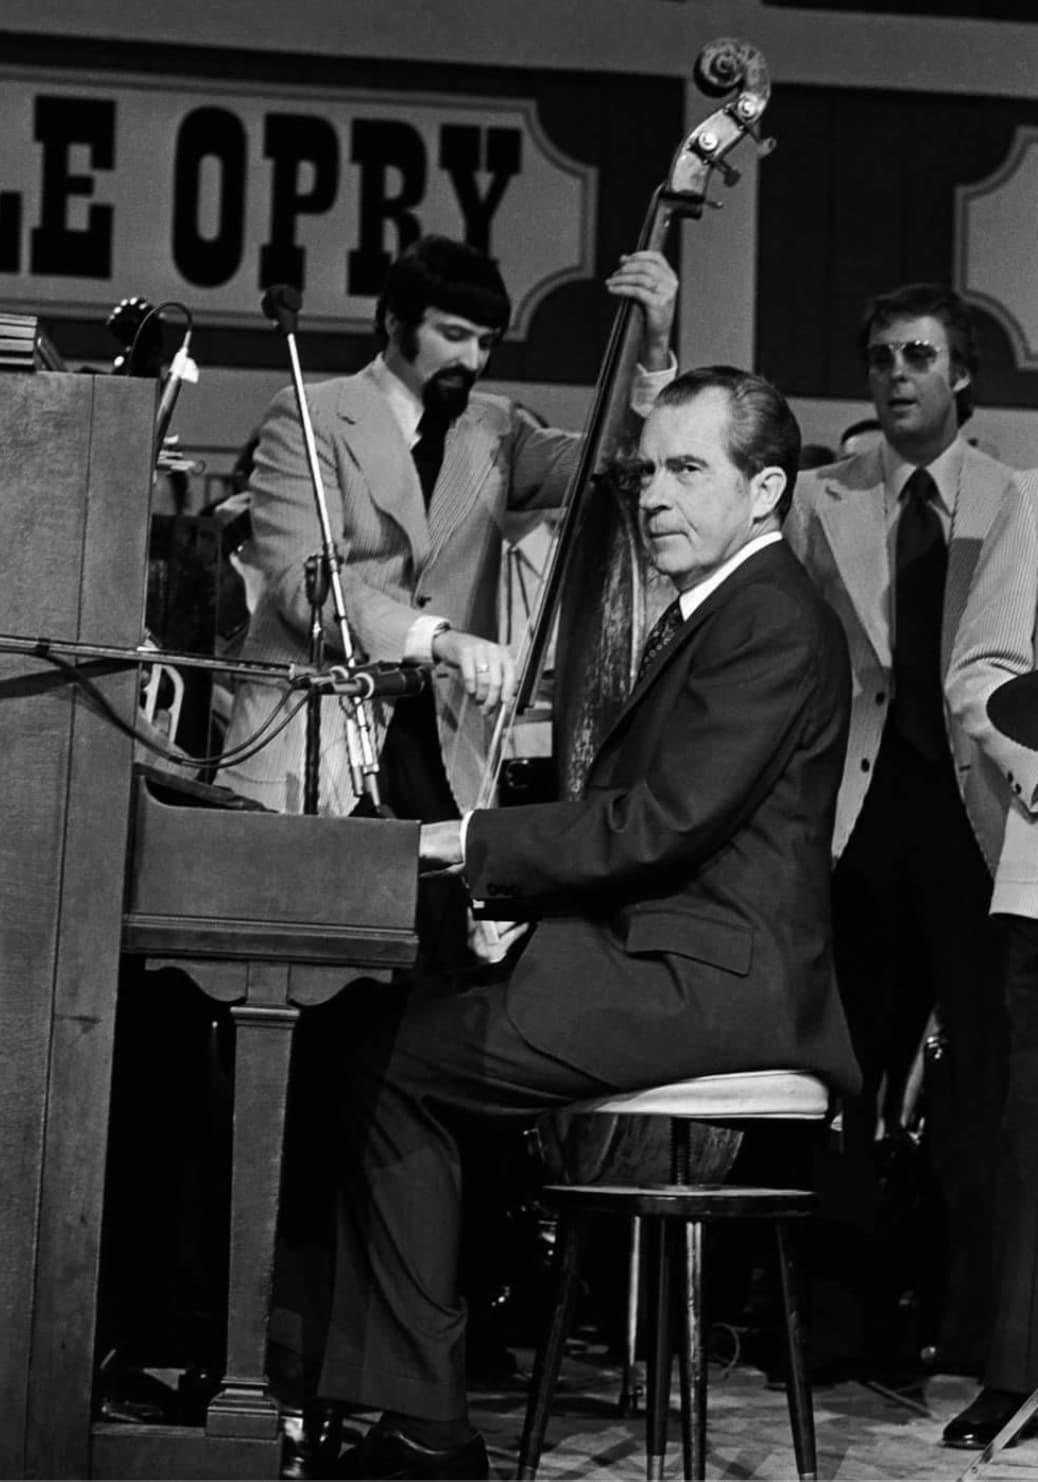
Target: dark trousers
(412,784)
(379,1077)
(911,931)
(1013,1356)
(396,1335)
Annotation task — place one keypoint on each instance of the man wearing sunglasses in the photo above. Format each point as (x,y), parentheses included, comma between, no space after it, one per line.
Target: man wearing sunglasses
(891,536)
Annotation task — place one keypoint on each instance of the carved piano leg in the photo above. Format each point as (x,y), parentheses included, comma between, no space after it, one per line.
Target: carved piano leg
(263,1042)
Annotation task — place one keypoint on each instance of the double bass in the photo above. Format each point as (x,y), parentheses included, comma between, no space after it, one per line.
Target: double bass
(598,592)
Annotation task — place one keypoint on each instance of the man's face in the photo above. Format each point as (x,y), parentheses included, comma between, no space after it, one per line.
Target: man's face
(441,358)
(915,402)
(695,508)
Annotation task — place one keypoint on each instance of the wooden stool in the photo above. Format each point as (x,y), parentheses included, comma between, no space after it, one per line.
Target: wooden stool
(674,1216)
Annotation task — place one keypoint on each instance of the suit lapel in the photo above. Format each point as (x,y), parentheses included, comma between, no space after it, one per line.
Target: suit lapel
(467,458)
(690,627)
(376,446)
(981,488)
(853,515)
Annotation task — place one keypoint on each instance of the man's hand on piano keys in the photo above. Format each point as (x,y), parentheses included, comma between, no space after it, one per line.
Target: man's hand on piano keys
(439,845)
(491,941)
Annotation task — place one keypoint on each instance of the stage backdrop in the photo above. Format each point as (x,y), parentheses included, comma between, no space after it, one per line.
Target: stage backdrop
(203,176)
(871,189)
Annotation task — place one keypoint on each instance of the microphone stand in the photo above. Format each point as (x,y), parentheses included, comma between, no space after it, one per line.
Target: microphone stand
(317,585)
(363,681)
(281,305)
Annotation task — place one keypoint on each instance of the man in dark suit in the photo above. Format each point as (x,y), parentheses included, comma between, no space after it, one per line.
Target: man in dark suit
(684,905)
(422,469)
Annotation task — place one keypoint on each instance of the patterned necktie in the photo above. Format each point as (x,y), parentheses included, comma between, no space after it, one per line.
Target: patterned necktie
(428,451)
(662,633)
(921,564)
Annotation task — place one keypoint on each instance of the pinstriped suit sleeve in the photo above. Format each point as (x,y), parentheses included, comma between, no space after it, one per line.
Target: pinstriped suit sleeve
(286,531)
(543,461)
(995,641)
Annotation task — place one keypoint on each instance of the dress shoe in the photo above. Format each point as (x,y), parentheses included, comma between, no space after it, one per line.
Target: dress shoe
(311,1441)
(387,1452)
(980,1422)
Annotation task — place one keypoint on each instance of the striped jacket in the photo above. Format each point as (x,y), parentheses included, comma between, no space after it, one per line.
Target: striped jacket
(399,561)
(997,641)
(837,527)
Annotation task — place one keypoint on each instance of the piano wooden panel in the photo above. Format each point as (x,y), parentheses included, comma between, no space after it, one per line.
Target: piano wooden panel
(208,882)
(266,913)
(74,481)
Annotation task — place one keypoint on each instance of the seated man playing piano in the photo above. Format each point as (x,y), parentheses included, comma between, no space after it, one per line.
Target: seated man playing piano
(682,905)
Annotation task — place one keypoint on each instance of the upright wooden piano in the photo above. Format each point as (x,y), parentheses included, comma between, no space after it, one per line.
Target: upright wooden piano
(267,913)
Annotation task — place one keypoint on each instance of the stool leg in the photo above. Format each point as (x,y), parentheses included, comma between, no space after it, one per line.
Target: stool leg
(657,1398)
(798,1388)
(693,1354)
(628,1402)
(569,1243)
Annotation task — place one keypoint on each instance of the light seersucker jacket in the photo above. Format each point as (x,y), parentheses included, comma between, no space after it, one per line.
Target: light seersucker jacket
(399,562)
(837,527)
(997,641)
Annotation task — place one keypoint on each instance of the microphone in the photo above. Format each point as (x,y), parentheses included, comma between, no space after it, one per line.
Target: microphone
(182,368)
(390,680)
(367,681)
(281,304)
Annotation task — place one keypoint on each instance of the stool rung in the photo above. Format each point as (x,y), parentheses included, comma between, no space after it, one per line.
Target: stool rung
(677,1201)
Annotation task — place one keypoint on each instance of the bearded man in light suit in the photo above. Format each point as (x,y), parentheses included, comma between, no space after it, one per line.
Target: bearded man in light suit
(682,905)
(421,568)
(892,536)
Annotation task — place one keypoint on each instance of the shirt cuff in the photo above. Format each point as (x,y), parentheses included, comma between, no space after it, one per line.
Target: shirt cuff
(647,385)
(418,643)
(463,833)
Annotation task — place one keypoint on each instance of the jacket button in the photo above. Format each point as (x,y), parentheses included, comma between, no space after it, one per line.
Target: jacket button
(421,601)
(881,698)
(865,764)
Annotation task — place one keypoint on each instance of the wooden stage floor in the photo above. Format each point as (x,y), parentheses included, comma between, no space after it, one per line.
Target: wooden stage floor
(863,1433)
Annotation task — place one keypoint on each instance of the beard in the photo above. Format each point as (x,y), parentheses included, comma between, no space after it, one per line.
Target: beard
(446,394)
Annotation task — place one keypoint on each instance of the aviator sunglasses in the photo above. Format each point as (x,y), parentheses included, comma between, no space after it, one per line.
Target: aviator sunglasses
(918,355)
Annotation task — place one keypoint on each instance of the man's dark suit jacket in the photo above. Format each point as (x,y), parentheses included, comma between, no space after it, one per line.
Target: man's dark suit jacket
(686,896)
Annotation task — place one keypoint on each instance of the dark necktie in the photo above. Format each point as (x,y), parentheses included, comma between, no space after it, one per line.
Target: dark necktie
(662,633)
(921,563)
(428,451)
